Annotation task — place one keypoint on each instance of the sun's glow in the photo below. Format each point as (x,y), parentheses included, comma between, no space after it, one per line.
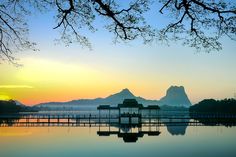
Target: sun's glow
(4,97)
(14,86)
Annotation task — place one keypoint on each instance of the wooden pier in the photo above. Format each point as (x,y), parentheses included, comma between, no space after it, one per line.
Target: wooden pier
(88,120)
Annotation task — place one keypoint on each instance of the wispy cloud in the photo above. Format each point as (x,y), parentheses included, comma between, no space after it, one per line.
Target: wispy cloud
(14,86)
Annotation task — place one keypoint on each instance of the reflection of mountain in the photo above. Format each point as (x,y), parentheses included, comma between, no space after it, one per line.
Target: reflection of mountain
(175,96)
(177,126)
(176,130)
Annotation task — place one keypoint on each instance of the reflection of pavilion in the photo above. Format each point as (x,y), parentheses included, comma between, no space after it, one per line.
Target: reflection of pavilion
(130,111)
(129,133)
(131,116)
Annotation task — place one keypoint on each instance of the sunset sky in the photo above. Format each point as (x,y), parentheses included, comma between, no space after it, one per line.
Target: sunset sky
(60,73)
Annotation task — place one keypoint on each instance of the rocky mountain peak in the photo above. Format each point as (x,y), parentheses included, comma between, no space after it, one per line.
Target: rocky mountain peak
(176,96)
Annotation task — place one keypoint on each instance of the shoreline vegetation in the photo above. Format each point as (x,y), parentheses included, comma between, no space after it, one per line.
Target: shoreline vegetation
(214,112)
(204,106)
(215,106)
(11,107)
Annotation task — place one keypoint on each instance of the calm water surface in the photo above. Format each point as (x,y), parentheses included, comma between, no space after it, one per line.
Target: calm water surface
(194,141)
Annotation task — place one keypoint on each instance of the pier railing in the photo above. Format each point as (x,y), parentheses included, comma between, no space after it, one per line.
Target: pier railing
(39,119)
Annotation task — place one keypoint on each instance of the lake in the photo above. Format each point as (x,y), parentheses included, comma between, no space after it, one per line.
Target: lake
(61,141)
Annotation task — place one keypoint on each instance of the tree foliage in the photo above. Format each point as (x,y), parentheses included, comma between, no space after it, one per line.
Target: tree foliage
(215,106)
(9,107)
(197,23)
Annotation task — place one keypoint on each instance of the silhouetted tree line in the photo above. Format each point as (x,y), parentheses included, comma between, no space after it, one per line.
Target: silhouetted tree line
(217,106)
(11,107)
(215,112)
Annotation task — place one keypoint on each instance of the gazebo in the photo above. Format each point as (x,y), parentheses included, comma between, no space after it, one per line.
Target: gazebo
(130,111)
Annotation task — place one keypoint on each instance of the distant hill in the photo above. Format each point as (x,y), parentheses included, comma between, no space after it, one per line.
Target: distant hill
(18,103)
(116,98)
(175,96)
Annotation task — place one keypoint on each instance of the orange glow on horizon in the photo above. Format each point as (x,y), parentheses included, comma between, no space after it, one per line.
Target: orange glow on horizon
(60,96)
(44,80)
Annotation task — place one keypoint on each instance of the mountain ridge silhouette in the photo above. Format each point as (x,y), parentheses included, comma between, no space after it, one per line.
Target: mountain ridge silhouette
(173,93)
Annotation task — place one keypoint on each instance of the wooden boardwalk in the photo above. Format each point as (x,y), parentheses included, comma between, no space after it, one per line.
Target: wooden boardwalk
(88,120)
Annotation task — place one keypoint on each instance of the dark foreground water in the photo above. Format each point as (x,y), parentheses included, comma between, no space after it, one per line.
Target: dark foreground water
(194,141)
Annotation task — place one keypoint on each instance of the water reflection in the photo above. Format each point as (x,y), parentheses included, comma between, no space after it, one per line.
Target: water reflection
(178,129)
(130,130)
(83,141)
(9,119)
(89,135)
(227,120)
(129,133)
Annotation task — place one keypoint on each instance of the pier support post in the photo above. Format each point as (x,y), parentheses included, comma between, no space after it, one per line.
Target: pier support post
(99,120)
(89,120)
(109,120)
